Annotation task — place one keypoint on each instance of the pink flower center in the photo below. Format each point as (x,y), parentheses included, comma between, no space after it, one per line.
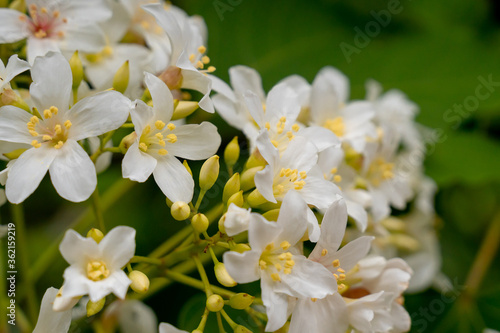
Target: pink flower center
(44,23)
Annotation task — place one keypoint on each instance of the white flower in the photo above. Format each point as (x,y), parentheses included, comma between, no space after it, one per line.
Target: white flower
(159,142)
(247,108)
(55,132)
(167,328)
(395,112)
(276,261)
(132,316)
(329,107)
(96,269)
(290,172)
(55,25)
(187,57)
(50,320)
(14,67)
(101,67)
(236,220)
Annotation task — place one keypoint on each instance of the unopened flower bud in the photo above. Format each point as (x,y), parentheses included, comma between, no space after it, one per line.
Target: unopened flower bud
(77,69)
(121,79)
(215,303)
(186,165)
(200,223)
(272,215)
(247,181)
(256,199)
(95,234)
(19,5)
(127,141)
(232,152)
(184,109)
(255,160)
(209,173)
(223,276)
(15,153)
(221,224)
(180,210)
(10,97)
(241,329)
(237,199)
(232,186)
(95,307)
(240,248)
(140,282)
(241,301)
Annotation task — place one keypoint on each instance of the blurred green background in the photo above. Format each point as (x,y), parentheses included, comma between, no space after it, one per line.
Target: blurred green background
(434,51)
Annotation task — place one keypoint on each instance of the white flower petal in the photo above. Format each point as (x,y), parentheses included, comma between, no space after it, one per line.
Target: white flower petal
(282,102)
(264,183)
(222,88)
(244,78)
(27,172)
(13,125)
(163,102)
(83,37)
(15,66)
(74,246)
(196,80)
(261,232)
(358,214)
(236,220)
(117,283)
(350,254)
(276,305)
(229,111)
(12,28)
(52,81)
(319,192)
(266,149)
(195,142)
(50,320)
(40,47)
(118,246)
(73,173)
(167,328)
(292,218)
(173,179)
(320,137)
(98,114)
(136,165)
(254,106)
(242,267)
(141,115)
(300,154)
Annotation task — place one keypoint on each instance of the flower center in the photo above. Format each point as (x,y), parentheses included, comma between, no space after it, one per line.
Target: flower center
(279,137)
(379,171)
(50,130)
(288,179)
(200,60)
(336,125)
(154,138)
(276,260)
(44,24)
(97,270)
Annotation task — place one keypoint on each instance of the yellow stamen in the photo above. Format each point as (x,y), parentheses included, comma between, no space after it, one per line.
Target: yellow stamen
(205,60)
(336,263)
(171,126)
(276,277)
(46,138)
(159,124)
(33,133)
(59,145)
(172,138)
(295,127)
(67,124)
(324,252)
(143,147)
(35,144)
(285,245)
(202,49)
(162,152)
(337,178)
(58,129)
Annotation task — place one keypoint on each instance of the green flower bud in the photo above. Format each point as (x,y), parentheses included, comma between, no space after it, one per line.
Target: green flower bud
(237,199)
(127,141)
(272,215)
(95,307)
(180,210)
(15,153)
(95,234)
(240,248)
(221,224)
(200,223)
(241,301)
(184,109)
(215,303)
(247,178)
(140,282)
(255,160)
(121,79)
(232,152)
(255,199)
(223,276)
(209,173)
(232,186)
(77,69)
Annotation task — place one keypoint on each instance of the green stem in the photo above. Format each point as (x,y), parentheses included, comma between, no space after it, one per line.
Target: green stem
(96,205)
(203,275)
(153,261)
(197,284)
(24,264)
(116,150)
(220,324)
(203,322)
(112,195)
(199,200)
(228,319)
(484,258)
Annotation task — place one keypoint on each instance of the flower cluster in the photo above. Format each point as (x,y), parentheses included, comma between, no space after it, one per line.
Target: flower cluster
(329,209)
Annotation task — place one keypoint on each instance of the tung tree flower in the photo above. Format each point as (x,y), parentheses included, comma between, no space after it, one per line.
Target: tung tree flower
(276,261)
(96,269)
(187,58)
(159,142)
(54,131)
(55,25)
(167,328)
(50,320)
